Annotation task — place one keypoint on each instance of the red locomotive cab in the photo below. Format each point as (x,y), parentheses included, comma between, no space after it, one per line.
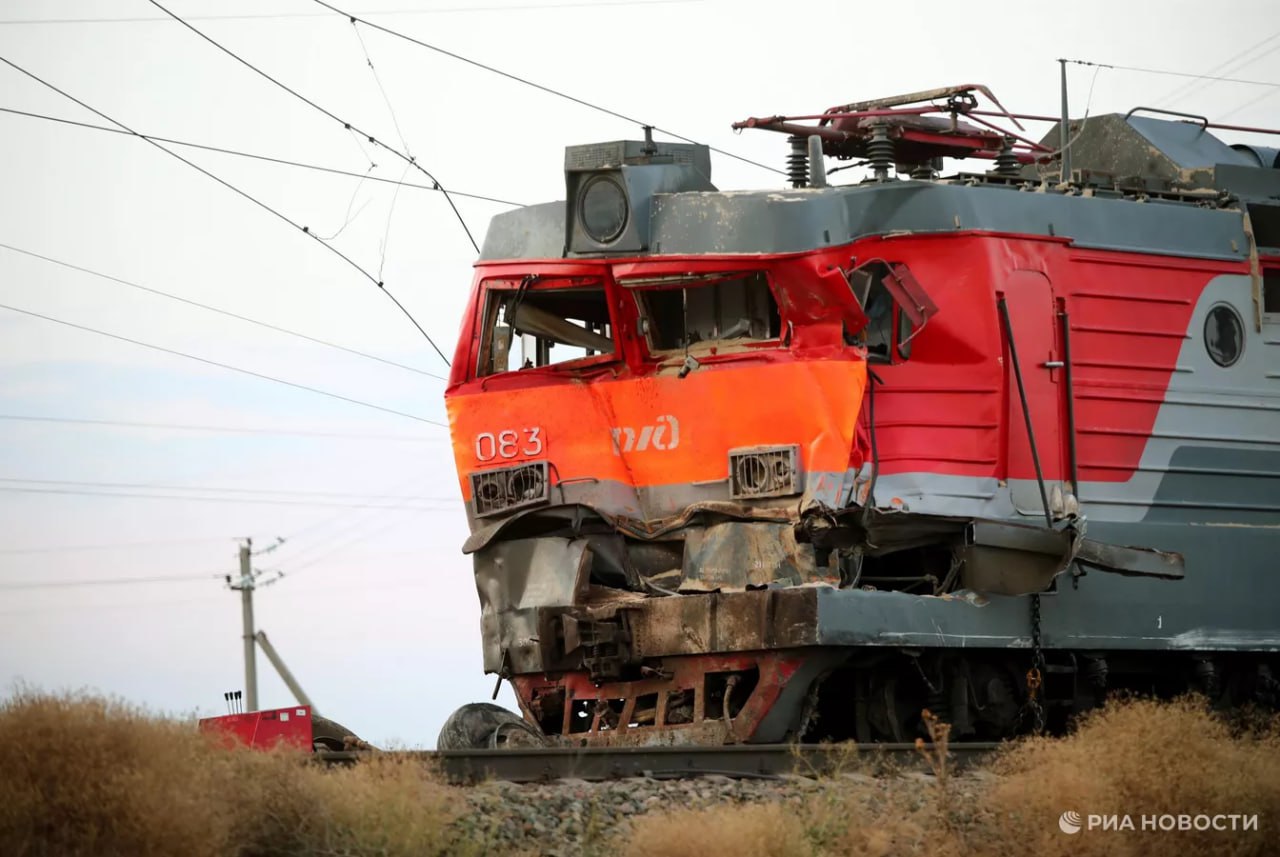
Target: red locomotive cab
(643,389)
(669,418)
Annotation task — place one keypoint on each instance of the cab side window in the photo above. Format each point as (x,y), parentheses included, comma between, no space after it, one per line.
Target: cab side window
(881,288)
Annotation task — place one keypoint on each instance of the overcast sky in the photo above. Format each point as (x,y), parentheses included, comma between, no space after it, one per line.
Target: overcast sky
(377,614)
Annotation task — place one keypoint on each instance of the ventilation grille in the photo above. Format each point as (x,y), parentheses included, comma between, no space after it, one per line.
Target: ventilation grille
(495,491)
(764,471)
(606,156)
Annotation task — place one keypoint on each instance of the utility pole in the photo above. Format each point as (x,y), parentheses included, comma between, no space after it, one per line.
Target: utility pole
(246,586)
(285,674)
(1064,129)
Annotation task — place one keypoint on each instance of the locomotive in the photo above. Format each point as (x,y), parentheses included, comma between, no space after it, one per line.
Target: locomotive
(800,463)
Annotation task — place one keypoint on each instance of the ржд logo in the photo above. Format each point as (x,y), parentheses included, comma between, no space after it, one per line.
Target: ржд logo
(657,436)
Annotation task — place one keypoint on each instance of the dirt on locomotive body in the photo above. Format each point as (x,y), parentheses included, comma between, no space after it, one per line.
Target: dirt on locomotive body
(800,463)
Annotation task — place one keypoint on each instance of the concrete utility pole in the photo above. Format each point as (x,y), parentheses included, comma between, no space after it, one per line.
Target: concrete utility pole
(246,586)
(285,674)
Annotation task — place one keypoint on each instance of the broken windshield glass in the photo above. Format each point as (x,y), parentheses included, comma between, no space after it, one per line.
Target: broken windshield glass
(531,326)
(717,307)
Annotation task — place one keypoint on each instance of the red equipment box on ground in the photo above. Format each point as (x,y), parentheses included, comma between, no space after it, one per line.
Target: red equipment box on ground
(263,730)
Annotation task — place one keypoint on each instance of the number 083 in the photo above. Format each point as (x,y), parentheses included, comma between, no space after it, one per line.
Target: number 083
(510,443)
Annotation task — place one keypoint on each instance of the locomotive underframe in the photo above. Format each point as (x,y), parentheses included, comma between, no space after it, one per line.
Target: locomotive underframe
(763,667)
(600,654)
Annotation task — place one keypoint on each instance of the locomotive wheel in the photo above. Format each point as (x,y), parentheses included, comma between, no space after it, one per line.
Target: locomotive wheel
(483,725)
(328,734)
(892,716)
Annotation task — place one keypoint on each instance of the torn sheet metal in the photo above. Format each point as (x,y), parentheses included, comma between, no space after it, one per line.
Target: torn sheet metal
(517,576)
(675,706)
(998,557)
(734,555)
(578,518)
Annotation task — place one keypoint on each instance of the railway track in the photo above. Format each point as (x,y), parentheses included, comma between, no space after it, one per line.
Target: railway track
(761,761)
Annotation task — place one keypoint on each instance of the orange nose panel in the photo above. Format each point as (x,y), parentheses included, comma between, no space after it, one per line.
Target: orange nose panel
(662,430)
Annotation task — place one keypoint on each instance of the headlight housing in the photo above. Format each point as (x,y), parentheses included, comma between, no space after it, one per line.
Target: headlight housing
(505,489)
(603,209)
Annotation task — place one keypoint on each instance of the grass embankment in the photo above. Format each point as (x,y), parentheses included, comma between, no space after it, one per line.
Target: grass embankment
(99,778)
(84,776)
(1137,758)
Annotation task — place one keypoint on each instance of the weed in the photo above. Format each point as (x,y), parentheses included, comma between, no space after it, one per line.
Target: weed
(1135,757)
(81,775)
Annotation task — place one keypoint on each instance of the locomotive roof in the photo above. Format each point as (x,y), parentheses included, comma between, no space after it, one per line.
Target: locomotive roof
(1140,184)
(799,220)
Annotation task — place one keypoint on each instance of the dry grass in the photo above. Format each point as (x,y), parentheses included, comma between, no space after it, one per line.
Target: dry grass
(1143,758)
(1136,757)
(86,776)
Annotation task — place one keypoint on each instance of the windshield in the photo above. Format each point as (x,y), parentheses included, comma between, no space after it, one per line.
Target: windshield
(530,323)
(718,307)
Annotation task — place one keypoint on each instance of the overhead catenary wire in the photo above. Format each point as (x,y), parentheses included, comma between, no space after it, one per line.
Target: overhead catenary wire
(395,121)
(345,124)
(1088,105)
(1237,60)
(270,16)
(386,232)
(226,366)
(527,82)
(257,157)
(386,99)
(219,311)
(1242,107)
(1272,86)
(1171,73)
(348,217)
(341,546)
(99,607)
(212,429)
(110,581)
(258,501)
(322,591)
(345,523)
(114,546)
(305,230)
(217,489)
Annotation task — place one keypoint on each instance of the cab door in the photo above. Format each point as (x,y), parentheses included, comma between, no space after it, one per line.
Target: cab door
(1033,318)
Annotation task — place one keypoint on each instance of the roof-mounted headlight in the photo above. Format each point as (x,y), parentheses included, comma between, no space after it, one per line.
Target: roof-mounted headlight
(603,209)
(610,189)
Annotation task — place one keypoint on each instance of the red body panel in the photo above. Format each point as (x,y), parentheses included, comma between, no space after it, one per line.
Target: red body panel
(263,730)
(809,384)
(952,407)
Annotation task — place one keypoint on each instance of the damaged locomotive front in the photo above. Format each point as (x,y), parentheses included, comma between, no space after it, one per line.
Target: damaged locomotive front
(761,466)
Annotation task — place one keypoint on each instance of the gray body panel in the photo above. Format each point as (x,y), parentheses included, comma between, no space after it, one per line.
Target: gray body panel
(793,221)
(1207,486)
(1225,603)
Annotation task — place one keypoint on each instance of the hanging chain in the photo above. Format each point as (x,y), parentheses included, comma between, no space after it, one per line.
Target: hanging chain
(1035,675)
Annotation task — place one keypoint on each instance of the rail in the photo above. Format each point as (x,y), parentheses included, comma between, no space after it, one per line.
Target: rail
(760,761)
